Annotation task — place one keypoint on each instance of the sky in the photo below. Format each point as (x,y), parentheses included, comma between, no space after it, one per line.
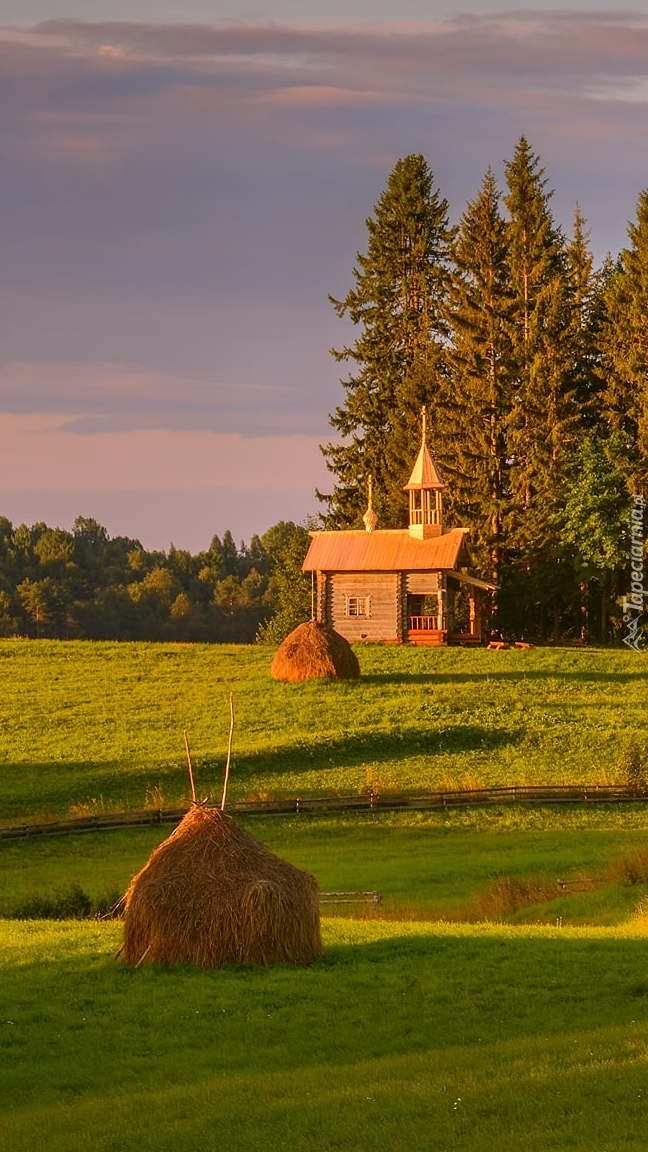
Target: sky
(182,186)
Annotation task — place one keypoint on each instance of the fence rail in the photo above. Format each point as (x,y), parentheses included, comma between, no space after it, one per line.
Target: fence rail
(350,898)
(368,802)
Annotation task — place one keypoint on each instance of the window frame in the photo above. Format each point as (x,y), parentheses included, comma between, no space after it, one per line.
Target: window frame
(357,607)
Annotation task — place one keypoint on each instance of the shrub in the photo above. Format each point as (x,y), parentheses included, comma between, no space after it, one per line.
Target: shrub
(508,894)
(634,866)
(67,904)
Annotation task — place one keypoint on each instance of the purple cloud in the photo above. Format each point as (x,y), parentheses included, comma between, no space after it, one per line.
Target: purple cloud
(177,201)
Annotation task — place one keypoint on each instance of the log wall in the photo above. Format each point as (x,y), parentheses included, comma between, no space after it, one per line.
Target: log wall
(384,621)
(422,583)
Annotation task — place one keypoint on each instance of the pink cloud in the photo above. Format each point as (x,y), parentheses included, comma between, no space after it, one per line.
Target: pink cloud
(517,44)
(38,455)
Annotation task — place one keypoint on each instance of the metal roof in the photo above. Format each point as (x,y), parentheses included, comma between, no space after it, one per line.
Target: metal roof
(424,472)
(387,550)
(474,582)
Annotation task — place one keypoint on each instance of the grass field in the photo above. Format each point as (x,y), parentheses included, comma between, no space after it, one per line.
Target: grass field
(91,725)
(419,1030)
(407,1036)
(431,865)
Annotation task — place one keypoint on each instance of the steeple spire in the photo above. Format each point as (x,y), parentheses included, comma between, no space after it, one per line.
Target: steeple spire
(370,519)
(425,487)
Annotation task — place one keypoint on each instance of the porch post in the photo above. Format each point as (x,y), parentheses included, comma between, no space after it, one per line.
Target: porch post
(320,608)
(441,602)
(450,606)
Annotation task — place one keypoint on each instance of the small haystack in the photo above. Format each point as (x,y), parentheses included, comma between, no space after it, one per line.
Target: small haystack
(211,894)
(315,652)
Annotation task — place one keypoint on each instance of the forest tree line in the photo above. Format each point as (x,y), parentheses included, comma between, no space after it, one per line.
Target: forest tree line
(83,584)
(533,366)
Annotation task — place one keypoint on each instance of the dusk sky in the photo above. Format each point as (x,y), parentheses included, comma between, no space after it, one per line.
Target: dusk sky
(181,186)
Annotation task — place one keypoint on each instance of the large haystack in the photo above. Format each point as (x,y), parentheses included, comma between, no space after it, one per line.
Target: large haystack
(211,894)
(315,652)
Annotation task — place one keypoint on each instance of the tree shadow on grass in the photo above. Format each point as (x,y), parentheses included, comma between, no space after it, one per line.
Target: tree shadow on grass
(114,788)
(437,676)
(376,748)
(410,992)
(88,788)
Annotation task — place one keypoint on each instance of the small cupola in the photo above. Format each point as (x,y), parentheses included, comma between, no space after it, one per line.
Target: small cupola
(425,487)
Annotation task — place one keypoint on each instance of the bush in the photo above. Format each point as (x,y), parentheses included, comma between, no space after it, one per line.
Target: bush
(67,904)
(634,866)
(509,894)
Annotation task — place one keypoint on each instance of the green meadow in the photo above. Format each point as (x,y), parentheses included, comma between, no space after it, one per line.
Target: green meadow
(86,726)
(478,1006)
(425,1036)
(428,866)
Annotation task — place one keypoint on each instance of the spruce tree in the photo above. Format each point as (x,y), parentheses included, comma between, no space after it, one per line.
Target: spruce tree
(584,285)
(624,348)
(544,411)
(398,302)
(477,402)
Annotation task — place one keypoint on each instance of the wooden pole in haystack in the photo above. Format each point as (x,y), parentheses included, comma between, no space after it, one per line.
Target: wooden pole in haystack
(229,753)
(191,778)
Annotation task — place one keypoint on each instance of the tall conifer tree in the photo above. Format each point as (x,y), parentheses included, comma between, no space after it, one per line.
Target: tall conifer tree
(476,410)
(544,412)
(398,303)
(583,293)
(624,348)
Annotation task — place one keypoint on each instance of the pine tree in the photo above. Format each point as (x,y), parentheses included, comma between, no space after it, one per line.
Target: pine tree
(584,286)
(474,451)
(398,303)
(544,411)
(624,348)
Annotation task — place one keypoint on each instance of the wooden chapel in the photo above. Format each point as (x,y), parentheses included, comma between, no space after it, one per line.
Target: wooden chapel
(406,585)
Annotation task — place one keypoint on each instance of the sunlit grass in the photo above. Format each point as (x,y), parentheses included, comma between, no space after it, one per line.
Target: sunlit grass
(412,1034)
(405,1036)
(425,865)
(100,725)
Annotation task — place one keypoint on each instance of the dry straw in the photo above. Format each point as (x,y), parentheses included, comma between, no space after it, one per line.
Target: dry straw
(315,652)
(211,894)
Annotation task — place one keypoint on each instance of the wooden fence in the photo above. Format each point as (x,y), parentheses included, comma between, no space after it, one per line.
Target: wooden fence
(369,802)
(350,898)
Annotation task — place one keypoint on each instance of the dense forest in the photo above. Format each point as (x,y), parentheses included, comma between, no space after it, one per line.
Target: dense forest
(82,583)
(533,365)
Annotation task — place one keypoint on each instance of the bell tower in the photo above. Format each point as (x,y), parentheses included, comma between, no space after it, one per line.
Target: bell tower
(425,488)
